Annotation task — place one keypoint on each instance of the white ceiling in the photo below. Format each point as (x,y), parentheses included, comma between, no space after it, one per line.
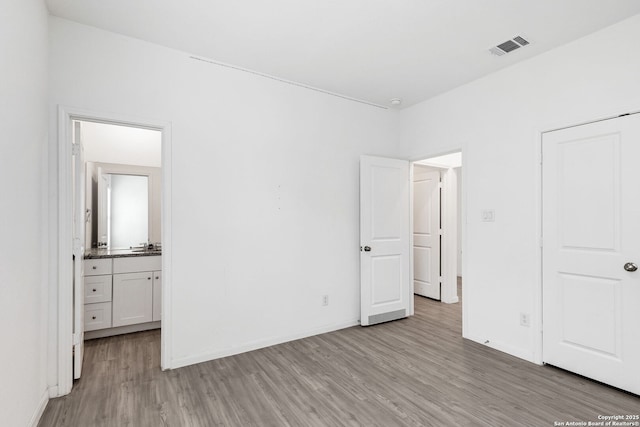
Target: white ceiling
(371,50)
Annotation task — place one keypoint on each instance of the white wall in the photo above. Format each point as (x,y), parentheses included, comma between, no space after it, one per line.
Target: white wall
(23,249)
(107,143)
(497,122)
(264,182)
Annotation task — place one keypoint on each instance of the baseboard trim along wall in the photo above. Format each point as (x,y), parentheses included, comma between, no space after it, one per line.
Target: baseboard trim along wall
(522,353)
(256,345)
(35,418)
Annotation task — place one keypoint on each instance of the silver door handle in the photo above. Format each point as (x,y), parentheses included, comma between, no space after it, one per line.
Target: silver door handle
(630,266)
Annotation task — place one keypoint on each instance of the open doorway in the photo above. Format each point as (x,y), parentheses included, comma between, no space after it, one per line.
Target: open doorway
(114,191)
(437,227)
(123,250)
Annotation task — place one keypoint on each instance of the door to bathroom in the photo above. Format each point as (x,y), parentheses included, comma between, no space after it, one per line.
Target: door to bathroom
(591,250)
(426,232)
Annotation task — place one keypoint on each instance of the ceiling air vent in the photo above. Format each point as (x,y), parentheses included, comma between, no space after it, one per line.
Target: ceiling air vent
(509,46)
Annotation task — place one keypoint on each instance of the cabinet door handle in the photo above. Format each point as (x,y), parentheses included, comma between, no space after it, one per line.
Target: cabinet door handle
(94,267)
(94,290)
(93,317)
(148,278)
(157,277)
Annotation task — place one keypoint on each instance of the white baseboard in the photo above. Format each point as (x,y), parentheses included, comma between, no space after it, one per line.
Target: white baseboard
(119,330)
(255,345)
(54,392)
(453,300)
(35,418)
(518,352)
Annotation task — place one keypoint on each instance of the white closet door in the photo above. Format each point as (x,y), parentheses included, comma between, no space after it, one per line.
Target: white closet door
(591,250)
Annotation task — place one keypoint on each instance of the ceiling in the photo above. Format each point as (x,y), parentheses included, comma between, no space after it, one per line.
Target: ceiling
(370,50)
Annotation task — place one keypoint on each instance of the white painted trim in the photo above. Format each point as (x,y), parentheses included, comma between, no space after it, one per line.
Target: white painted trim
(466,303)
(119,330)
(255,345)
(411,261)
(449,255)
(449,249)
(65,252)
(582,119)
(64,339)
(53,392)
(42,404)
(166,350)
(505,348)
(536,320)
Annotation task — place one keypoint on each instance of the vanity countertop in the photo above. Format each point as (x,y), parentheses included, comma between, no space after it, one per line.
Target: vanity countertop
(118,253)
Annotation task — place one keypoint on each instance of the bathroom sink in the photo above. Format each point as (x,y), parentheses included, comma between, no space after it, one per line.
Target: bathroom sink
(148,251)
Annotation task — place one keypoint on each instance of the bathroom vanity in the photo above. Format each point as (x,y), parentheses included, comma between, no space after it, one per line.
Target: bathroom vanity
(122,291)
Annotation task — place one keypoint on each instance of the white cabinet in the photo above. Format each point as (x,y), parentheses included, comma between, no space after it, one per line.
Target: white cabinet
(97,294)
(133,289)
(132,298)
(122,292)
(97,289)
(157,295)
(93,267)
(97,316)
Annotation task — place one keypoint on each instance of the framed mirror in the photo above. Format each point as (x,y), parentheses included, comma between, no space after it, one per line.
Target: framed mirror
(125,202)
(123,210)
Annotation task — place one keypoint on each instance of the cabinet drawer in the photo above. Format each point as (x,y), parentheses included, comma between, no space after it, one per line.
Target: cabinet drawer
(96,267)
(136,264)
(97,316)
(97,289)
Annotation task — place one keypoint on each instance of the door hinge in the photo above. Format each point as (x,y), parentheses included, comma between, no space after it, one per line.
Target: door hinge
(75,149)
(440,184)
(440,232)
(440,279)
(76,339)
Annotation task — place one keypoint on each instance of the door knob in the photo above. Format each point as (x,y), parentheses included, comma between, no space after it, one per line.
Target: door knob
(367,249)
(630,266)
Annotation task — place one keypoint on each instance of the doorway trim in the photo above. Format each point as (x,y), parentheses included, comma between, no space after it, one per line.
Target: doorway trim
(66,115)
(450,241)
(538,134)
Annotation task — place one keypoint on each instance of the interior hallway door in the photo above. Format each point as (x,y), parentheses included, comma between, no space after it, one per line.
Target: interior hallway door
(385,281)
(591,250)
(426,232)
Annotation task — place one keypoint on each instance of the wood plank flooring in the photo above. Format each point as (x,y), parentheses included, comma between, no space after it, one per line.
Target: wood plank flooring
(412,372)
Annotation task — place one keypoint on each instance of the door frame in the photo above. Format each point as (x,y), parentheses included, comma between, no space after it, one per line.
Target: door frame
(448,255)
(66,115)
(538,133)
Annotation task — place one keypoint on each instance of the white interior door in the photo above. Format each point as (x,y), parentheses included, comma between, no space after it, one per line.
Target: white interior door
(385,277)
(79,224)
(426,232)
(591,244)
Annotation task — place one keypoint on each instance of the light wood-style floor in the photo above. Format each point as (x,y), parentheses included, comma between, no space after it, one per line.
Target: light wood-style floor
(412,372)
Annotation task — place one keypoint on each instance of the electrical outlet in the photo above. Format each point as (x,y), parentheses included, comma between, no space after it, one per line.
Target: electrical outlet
(524,319)
(325,299)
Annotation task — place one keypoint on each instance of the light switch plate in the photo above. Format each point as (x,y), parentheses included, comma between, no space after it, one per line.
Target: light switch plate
(488,215)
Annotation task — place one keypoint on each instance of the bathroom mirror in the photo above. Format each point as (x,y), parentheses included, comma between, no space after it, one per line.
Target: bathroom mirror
(123,210)
(123,205)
